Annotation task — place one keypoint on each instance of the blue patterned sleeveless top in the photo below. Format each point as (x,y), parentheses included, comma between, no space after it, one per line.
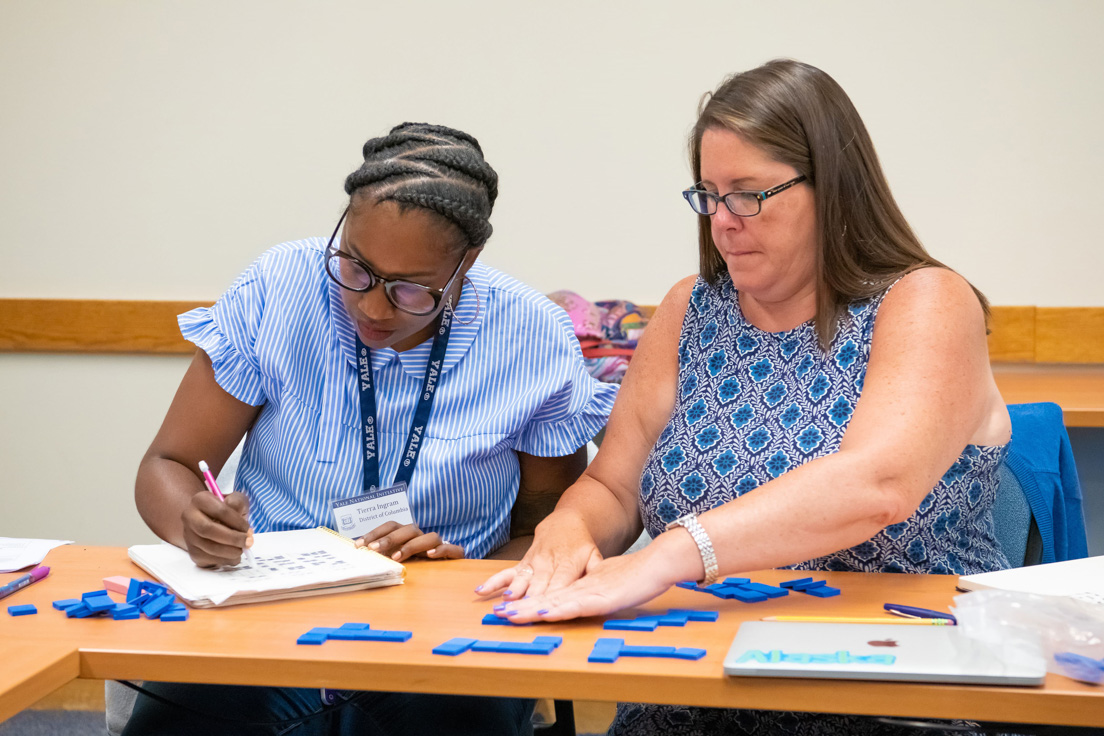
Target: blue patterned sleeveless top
(752,405)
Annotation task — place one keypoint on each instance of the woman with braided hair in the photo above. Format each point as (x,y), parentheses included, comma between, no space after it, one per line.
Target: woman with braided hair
(385,354)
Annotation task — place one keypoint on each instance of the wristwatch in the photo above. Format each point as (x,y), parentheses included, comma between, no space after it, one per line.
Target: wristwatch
(705,547)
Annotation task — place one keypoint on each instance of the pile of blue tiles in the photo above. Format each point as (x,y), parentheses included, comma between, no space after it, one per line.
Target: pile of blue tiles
(745,591)
(143,598)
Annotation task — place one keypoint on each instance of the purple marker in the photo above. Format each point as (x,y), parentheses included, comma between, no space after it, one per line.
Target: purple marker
(22,582)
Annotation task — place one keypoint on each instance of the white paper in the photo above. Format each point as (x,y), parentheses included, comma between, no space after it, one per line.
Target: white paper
(300,559)
(15,553)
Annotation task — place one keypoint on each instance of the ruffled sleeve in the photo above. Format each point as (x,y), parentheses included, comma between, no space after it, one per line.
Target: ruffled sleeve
(576,409)
(227,333)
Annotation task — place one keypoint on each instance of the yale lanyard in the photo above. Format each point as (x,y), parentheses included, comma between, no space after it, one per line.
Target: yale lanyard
(421,414)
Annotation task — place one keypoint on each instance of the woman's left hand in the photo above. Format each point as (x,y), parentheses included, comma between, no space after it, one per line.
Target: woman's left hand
(401,542)
(609,585)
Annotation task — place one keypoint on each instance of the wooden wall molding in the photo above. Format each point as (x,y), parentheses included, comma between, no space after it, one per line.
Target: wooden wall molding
(1018,334)
(93,326)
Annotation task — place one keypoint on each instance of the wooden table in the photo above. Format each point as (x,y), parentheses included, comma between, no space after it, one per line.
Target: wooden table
(1078,389)
(256,645)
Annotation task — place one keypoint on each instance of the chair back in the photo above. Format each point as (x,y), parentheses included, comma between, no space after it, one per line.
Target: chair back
(1013,522)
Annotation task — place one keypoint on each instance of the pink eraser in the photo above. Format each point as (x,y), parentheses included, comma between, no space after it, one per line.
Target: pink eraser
(117,584)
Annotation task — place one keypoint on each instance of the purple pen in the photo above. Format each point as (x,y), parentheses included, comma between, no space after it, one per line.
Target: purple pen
(23,581)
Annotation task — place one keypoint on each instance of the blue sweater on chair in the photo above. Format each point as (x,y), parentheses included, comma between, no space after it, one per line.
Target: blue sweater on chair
(1041,458)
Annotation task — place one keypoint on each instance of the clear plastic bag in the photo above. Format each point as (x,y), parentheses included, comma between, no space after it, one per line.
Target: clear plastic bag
(1069,633)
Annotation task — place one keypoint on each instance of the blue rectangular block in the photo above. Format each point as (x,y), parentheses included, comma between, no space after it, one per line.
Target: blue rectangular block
(517,647)
(313,637)
(126,615)
(351,634)
(639,651)
(134,590)
(148,586)
(792,583)
(24,610)
(666,619)
(157,606)
(175,615)
(693,614)
(554,641)
(808,585)
(768,590)
(713,587)
(78,611)
(96,604)
(492,620)
(727,592)
(125,609)
(687,584)
(688,653)
(749,596)
(606,650)
(354,627)
(630,624)
(452,647)
(66,603)
(736,581)
(369,635)
(822,592)
(93,594)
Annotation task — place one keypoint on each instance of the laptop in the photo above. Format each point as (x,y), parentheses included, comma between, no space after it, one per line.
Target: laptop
(877,652)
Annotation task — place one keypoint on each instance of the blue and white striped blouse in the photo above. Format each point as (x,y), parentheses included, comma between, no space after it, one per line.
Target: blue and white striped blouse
(513,379)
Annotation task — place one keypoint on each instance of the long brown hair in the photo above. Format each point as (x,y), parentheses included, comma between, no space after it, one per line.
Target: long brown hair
(800,116)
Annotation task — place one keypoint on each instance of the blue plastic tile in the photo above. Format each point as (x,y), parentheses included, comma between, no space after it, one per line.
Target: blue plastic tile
(23,610)
(822,592)
(452,647)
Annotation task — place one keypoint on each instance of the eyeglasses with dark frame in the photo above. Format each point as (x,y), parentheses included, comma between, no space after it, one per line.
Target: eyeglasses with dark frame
(349,272)
(741,204)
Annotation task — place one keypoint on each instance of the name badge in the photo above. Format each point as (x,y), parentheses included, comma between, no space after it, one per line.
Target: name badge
(356,516)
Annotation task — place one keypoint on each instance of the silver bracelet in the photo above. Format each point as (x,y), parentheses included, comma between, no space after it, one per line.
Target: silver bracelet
(705,547)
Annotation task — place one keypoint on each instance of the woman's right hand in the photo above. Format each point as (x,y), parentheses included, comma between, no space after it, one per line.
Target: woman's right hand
(563,551)
(216,532)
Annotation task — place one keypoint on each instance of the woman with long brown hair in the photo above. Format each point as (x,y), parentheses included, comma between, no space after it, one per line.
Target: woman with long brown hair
(818,397)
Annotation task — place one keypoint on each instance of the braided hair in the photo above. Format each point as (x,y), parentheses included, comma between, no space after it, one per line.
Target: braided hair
(434,168)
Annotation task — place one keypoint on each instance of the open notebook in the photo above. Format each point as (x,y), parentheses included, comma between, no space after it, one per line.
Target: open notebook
(288,564)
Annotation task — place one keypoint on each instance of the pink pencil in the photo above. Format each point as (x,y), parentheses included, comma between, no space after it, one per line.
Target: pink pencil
(212,486)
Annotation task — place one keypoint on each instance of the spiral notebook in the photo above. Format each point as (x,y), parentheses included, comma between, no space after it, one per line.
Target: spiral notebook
(291,564)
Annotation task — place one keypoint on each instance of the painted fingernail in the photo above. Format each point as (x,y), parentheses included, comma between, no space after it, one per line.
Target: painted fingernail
(511,613)
(542,611)
(500,607)
(508,592)
(478,588)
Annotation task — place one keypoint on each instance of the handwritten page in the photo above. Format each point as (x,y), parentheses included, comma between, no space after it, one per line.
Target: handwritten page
(285,565)
(15,553)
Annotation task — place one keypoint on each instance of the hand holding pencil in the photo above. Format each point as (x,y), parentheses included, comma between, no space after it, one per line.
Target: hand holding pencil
(216,526)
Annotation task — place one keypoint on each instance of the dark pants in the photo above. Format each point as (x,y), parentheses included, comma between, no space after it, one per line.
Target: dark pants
(236,708)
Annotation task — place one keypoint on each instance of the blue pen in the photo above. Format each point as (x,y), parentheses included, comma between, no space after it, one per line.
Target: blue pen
(913,612)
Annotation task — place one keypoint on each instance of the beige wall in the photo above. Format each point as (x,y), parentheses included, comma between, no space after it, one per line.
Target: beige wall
(152,149)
